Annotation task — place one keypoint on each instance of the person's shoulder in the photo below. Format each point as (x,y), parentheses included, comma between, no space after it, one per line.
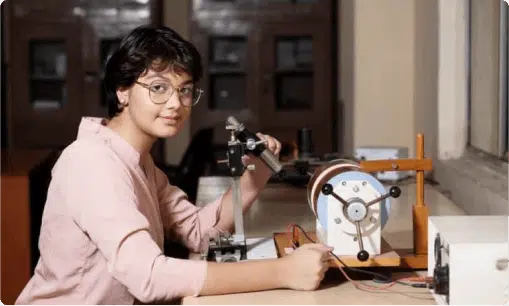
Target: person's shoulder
(87,154)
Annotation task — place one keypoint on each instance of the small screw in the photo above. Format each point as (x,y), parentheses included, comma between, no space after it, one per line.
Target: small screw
(372,219)
(337,220)
(355,188)
(354,238)
(364,183)
(343,183)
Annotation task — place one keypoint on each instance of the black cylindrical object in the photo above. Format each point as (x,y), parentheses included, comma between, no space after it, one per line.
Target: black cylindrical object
(260,150)
(305,142)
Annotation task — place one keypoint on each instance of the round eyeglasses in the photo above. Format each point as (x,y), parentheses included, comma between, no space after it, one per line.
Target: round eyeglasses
(160,92)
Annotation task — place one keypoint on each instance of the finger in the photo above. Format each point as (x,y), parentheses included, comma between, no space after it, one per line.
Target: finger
(324,248)
(326,265)
(278,147)
(326,257)
(322,252)
(261,136)
(271,143)
(320,247)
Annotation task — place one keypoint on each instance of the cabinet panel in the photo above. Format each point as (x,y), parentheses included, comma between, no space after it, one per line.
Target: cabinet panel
(48,71)
(229,79)
(295,90)
(46,98)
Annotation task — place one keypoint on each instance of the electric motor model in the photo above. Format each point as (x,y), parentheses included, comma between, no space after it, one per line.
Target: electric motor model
(351,208)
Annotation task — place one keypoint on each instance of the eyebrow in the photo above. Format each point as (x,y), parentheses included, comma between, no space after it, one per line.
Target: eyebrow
(190,81)
(158,75)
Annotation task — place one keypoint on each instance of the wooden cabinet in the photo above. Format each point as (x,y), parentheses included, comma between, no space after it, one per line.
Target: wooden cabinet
(46,83)
(269,64)
(229,81)
(25,177)
(295,83)
(54,55)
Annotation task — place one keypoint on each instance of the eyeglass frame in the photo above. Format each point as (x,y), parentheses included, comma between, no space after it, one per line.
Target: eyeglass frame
(147,86)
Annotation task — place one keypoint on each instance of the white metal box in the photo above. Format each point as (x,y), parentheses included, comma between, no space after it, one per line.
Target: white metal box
(384,152)
(468,259)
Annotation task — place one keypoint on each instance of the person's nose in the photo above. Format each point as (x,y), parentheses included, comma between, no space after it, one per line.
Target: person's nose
(174,101)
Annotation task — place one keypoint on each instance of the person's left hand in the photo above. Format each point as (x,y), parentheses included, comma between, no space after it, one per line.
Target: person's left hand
(271,143)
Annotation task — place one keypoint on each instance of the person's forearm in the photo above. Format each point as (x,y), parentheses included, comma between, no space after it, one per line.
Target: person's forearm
(244,276)
(251,183)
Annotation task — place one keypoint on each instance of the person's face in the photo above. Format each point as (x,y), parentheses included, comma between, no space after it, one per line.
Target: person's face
(149,107)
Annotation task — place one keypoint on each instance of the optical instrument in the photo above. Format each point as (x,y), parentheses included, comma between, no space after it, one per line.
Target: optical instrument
(226,247)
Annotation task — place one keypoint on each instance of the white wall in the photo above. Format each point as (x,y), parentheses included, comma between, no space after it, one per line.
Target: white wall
(384,73)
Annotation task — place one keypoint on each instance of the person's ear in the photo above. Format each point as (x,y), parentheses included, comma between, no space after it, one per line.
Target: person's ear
(123,96)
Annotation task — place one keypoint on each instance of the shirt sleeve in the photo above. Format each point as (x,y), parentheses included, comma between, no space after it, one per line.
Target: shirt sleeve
(101,198)
(184,221)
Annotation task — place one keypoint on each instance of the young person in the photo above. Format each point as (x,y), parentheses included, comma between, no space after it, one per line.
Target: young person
(109,208)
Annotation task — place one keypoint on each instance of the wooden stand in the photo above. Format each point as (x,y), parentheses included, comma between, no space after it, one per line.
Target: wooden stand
(416,258)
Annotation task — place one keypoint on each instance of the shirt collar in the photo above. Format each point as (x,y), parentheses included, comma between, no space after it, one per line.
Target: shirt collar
(95,128)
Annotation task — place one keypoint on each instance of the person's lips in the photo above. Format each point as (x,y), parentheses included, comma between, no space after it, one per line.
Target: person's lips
(170,119)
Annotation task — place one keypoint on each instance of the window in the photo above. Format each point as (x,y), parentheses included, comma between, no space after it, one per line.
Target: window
(488,77)
(504,34)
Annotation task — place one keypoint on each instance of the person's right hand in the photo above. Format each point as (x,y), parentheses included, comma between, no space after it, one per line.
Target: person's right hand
(304,268)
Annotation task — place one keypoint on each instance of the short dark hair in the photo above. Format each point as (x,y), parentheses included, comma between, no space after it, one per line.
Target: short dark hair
(148,47)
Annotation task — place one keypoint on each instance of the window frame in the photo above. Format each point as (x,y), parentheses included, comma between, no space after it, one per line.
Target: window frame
(503,82)
(502,142)
(475,181)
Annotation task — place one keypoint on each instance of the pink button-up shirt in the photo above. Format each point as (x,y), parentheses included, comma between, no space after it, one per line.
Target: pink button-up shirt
(103,228)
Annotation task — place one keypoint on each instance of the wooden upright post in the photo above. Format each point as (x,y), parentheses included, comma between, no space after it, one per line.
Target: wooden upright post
(420,209)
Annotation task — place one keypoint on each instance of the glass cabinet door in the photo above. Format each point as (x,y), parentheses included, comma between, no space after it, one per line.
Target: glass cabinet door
(228,59)
(46,84)
(48,72)
(295,83)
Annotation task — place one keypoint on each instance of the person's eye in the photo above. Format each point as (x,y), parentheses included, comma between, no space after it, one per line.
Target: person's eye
(159,88)
(186,90)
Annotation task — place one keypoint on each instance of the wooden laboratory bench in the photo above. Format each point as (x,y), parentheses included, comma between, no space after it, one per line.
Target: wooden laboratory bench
(280,205)
(25,175)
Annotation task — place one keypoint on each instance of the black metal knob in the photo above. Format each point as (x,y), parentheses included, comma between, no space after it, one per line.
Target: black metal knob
(363,255)
(441,280)
(327,189)
(395,192)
